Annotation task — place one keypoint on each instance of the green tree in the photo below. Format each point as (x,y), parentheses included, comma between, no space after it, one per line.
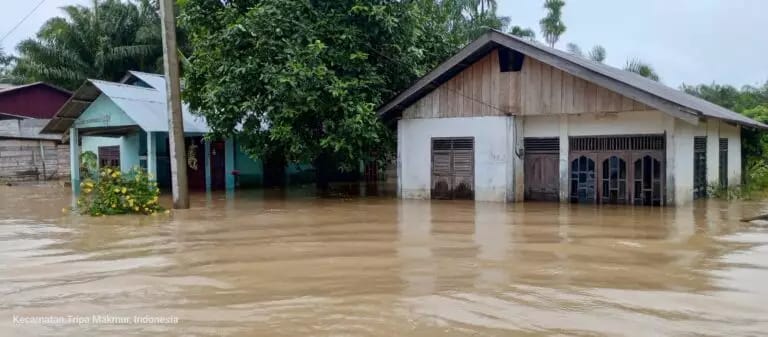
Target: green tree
(552,25)
(641,68)
(303,77)
(597,53)
(6,64)
(749,100)
(102,41)
(525,33)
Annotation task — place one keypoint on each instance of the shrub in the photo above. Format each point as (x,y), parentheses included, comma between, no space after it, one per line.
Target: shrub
(89,164)
(117,193)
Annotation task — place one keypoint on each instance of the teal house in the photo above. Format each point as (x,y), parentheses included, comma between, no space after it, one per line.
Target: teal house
(126,125)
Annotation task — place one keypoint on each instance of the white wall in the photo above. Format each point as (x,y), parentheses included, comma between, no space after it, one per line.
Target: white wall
(623,123)
(679,142)
(682,155)
(493,139)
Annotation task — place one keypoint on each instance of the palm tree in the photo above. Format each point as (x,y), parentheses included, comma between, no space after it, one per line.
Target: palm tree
(525,33)
(552,25)
(470,18)
(641,68)
(597,53)
(102,41)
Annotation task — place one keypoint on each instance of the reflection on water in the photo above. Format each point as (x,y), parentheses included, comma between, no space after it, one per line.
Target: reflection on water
(285,263)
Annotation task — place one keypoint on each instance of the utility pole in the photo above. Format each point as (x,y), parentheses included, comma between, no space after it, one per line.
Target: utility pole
(173,94)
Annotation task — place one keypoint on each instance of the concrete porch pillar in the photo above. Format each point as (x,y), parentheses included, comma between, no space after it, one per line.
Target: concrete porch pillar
(564,160)
(207,166)
(229,163)
(152,155)
(74,159)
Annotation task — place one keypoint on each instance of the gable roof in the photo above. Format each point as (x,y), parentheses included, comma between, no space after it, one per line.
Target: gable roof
(654,94)
(146,106)
(8,88)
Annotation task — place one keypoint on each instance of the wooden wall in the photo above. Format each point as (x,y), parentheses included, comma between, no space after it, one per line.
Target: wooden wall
(538,89)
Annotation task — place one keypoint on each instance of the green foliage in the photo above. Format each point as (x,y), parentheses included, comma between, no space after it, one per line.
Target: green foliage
(641,68)
(303,77)
(114,193)
(6,64)
(103,42)
(749,100)
(552,25)
(525,33)
(88,164)
(597,54)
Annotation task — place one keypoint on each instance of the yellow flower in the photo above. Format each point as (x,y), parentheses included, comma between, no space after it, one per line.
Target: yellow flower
(136,208)
(124,190)
(117,190)
(113,205)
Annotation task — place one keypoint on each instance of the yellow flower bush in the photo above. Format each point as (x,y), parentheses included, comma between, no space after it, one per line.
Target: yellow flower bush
(115,193)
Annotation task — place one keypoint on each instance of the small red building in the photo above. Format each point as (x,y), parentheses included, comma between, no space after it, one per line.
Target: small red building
(36,100)
(25,154)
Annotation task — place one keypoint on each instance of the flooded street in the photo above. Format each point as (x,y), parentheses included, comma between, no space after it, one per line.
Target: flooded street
(288,264)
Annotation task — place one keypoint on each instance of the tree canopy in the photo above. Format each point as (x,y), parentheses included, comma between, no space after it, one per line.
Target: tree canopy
(102,41)
(303,77)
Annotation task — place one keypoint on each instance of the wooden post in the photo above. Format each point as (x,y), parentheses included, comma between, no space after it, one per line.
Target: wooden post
(175,123)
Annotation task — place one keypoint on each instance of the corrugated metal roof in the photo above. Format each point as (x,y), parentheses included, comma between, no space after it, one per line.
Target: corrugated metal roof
(156,81)
(146,106)
(649,92)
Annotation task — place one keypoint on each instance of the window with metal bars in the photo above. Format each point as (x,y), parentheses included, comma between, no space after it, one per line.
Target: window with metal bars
(541,145)
(617,143)
(723,169)
(699,167)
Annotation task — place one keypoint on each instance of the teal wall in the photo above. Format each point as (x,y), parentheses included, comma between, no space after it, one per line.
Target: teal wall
(251,170)
(91,143)
(129,151)
(103,113)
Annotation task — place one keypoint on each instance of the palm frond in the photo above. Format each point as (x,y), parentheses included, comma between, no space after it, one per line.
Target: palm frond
(641,68)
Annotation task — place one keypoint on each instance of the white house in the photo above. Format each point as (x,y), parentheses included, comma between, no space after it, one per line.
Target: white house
(506,119)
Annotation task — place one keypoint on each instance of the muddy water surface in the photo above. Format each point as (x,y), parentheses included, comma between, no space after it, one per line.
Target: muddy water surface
(288,264)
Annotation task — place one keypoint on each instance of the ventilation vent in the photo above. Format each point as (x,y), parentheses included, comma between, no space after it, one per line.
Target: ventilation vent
(700,144)
(541,145)
(618,143)
(510,60)
(723,144)
(453,144)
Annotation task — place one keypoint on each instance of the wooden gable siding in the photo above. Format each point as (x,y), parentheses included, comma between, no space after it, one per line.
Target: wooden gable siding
(538,89)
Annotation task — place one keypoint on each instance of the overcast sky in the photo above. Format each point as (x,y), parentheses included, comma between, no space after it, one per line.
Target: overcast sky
(687,41)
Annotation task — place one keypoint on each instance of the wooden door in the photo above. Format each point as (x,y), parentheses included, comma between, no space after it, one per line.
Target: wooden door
(542,169)
(453,168)
(218,172)
(195,149)
(542,177)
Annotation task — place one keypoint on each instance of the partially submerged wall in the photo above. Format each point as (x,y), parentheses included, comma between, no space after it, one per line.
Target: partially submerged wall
(494,136)
(29,160)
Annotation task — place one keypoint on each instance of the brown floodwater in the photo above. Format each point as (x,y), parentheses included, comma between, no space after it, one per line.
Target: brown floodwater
(285,263)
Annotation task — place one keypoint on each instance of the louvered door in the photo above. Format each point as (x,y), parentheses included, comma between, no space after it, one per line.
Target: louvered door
(453,168)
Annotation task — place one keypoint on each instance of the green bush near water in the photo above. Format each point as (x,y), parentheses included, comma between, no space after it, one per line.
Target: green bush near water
(116,193)
(754,186)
